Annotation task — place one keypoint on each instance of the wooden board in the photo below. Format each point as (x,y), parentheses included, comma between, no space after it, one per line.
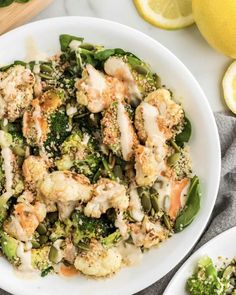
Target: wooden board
(17,13)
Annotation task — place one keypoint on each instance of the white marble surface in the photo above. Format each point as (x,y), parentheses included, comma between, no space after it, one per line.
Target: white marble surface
(206,65)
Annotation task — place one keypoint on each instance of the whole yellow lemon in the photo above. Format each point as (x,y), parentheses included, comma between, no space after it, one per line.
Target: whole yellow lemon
(216,20)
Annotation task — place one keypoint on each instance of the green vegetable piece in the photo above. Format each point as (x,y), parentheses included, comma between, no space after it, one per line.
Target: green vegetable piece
(83,246)
(207,280)
(5,68)
(39,258)
(58,231)
(22,1)
(53,254)
(4,3)
(138,65)
(43,239)
(46,76)
(153,212)
(65,163)
(97,175)
(146,203)
(45,272)
(108,169)
(173,159)
(103,55)
(207,263)
(112,239)
(18,151)
(228,272)
(118,172)
(52,216)
(59,123)
(140,69)
(35,244)
(134,61)
(185,135)
(4,207)
(41,229)
(86,228)
(9,247)
(175,146)
(86,56)
(19,62)
(191,208)
(87,46)
(46,68)
(18,143)
(166,221)
(154,201)
(66,39)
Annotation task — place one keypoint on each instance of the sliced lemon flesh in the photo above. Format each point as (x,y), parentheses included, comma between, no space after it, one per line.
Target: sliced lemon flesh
(229,87)
(166,14)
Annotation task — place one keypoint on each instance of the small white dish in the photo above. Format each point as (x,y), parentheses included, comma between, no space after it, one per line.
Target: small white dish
(222,245)
(204,146)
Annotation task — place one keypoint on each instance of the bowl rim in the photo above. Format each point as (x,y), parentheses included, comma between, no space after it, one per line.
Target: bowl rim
(30,26)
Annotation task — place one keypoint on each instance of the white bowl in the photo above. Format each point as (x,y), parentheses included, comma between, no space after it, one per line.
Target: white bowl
(222,245)
(205,150)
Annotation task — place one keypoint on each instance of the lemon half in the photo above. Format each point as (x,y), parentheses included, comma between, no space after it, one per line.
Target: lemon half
(229,87)
(166,14)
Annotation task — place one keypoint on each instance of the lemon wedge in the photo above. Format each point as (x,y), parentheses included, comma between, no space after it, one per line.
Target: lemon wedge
(166,14)
(229,87)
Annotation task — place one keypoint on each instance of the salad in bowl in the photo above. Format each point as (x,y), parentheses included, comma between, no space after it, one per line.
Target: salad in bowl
(95,167)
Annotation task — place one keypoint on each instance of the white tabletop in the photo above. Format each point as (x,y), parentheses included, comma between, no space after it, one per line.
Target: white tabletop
(207,65)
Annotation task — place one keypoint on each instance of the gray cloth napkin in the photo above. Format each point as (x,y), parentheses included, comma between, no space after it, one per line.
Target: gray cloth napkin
(223,216)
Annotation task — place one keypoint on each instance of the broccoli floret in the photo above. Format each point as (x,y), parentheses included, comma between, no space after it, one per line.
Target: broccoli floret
(59,130)
(18,144)
(205,281)
(60,230)
(82,229)
(79,152)
(9,247)
(39,258)
(112,239)
(86,228)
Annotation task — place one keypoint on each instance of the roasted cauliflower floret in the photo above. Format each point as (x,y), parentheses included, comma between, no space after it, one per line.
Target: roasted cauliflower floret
(137,78)
(148,168)
(96,90)
(34,170)
(65,186)
(107,194)
(98,261)
(66,189)
(35,125)
(169,114)
(25,219)
(116,67)
(16,91)
(147,233)
(170,110)
(118,131)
